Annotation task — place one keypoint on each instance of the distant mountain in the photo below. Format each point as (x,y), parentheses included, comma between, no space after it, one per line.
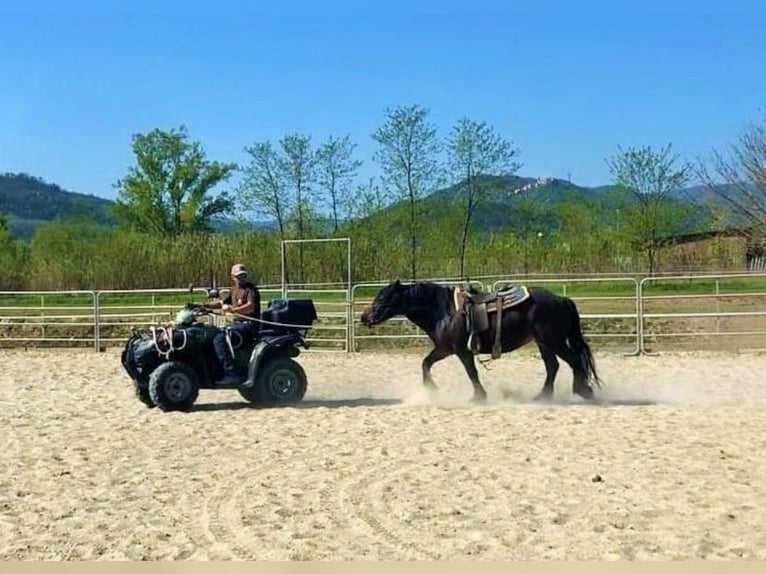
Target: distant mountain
(702,195)
(28,201)
(512,202)
(502,205)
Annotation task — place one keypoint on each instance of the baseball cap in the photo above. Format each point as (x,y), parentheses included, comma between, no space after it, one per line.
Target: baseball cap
(238,270)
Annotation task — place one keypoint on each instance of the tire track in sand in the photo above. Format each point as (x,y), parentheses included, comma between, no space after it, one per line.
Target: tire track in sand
(224,524)
(425,509)
(366,502)
(220,522)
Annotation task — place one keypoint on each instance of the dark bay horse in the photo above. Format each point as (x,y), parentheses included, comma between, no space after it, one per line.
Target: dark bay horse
(552,321)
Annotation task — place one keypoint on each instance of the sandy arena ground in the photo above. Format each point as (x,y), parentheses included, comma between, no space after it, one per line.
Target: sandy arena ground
(673,466)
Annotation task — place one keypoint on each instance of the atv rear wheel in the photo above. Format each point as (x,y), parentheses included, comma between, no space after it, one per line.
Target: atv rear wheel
(281,381)
(174,386)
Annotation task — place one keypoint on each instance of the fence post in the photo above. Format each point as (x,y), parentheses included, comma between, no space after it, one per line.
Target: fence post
(637,352)
(97,320)
(350,319)
(718,306)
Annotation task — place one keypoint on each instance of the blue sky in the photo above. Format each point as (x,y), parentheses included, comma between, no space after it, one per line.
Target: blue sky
(566,86)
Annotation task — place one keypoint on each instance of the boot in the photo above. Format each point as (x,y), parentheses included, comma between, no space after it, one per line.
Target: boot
(230,377)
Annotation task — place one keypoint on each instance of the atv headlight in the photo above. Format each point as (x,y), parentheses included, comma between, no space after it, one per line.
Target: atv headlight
(184,317)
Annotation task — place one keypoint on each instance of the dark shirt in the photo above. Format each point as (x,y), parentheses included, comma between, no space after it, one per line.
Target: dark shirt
(240,295)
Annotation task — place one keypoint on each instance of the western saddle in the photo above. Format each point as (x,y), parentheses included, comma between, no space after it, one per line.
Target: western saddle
(478,306)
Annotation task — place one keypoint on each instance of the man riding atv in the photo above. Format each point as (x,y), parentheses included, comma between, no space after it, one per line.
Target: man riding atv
(244,300)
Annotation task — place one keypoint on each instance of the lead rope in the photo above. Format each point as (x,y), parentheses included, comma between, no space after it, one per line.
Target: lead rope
(263,321)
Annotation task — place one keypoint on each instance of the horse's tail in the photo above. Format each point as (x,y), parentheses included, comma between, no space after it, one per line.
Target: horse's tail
(580,346)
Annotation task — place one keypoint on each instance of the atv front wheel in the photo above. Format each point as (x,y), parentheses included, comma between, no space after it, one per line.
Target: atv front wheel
(143,395)
(174,386)
(281,380)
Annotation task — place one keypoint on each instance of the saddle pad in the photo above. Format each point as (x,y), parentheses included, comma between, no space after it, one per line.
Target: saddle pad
(510,297)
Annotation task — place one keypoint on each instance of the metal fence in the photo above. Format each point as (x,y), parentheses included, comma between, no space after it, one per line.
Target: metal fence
(631,314)
(718,308)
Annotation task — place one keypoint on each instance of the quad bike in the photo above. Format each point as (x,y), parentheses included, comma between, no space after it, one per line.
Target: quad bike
(169,364)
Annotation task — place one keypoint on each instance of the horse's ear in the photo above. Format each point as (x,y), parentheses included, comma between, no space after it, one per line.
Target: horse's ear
(397,283)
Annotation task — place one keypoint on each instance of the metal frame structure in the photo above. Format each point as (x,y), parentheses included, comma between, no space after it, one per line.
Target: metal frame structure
(346,240)
(346,290)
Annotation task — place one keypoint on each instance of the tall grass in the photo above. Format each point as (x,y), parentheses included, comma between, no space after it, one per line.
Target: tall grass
(76,255)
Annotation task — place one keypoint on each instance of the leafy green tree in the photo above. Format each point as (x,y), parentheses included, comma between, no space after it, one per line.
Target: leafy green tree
(407,153)
(586,235)
(5,232)
(264,189)
(8,257)
(336,169)
(529,231)
(299,169)
(650,177)
(475,151)
(168,192)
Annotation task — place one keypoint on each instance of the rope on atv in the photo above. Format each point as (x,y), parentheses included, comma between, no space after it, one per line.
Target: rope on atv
(168,333)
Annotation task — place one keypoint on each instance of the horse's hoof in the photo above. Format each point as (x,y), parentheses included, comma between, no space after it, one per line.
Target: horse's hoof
(542,397)
(586,393)
(479,399)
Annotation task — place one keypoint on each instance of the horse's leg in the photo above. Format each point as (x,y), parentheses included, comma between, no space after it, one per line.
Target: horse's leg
(437,354)
(551,369)
(466,357)
(550,335)
(580,384)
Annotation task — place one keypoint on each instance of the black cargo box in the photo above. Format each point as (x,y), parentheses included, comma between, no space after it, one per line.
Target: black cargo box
(299,312)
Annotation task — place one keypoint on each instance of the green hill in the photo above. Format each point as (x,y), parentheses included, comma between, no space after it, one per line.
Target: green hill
(28,201)
(523,204)
(511,203)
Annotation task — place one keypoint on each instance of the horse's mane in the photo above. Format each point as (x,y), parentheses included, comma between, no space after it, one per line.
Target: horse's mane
(432,291)
(428,289)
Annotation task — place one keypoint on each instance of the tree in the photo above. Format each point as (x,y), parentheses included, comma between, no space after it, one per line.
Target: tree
(742,183)
(263,188)
(5,232)
(475,151)
(529,225)
(168,192)
(369,199)
(11,257)
(586,238)
(407,153)
(336,168)
(650,177)
(299,164)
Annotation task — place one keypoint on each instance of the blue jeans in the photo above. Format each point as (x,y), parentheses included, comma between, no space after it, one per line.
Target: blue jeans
(244,330)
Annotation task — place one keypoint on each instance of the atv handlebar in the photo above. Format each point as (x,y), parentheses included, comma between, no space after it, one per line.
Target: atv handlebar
(211,292)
